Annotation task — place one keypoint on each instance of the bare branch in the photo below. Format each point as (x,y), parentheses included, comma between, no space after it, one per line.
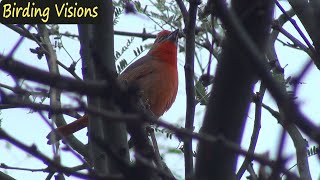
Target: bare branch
(256,129)
(54,94)
(308,14)
(291,111)
(293,39)
(59,168)
(4,176)
(190,91)
(184,11)
(293,22)
(21,70)
(229,102)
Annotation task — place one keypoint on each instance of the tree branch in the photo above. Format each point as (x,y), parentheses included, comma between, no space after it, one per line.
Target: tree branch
(4,176)
(293,22)
(308,14)
(184,11)
(54,94)
(233,83)
(288,123)
(190,90)
(59,168)
(291,111)
(27,72)
(256,129)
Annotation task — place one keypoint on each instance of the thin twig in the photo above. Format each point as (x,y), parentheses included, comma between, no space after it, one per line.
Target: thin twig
(4,166)
(142,35)
(156,148)
(302,74)
(256,129)
(293,39)
(15,47)
(70,69)
(67,144)
(293,22)
(158,157)
(21,70)
(279,161)
(297,138)
(253,175)
(38,155)
(184,11)
(291,110)
(274,113)
(134,118)
(20,31)
(161,172)
(54,93)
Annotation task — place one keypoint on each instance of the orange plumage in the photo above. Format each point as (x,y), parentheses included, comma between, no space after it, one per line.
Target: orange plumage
(156,75)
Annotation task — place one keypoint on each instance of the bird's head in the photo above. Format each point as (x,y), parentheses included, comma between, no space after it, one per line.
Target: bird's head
(165,46)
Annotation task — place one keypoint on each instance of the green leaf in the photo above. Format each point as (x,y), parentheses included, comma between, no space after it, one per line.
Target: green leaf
(201,93)
(174,151)
(0,119)
(138,6)
(279,78)
(8,146)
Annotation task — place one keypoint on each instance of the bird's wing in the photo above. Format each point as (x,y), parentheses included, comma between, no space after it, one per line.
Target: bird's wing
(137,70)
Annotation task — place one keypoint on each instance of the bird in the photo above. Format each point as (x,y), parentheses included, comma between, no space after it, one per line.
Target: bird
(155,74)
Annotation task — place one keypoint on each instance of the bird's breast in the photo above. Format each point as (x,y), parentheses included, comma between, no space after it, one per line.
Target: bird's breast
(159,90)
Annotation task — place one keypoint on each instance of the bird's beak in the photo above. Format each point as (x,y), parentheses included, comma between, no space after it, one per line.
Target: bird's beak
(173,36)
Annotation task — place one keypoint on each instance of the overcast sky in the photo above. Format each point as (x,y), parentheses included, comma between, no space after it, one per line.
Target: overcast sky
(31,129)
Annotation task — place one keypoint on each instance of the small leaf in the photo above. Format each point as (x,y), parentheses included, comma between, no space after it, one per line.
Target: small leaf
(201,93)
(174,151)
(145,9)
(8,146)
(170,19)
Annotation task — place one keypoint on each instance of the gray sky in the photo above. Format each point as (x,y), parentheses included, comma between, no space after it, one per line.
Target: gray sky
(31,129)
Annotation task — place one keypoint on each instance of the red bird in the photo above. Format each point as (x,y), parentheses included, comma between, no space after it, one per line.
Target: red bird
(156,75)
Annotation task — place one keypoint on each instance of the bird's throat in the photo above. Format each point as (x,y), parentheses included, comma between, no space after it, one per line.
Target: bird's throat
(166,51)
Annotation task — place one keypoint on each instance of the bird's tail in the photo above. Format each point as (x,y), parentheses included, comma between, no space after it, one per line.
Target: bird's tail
(67,130)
